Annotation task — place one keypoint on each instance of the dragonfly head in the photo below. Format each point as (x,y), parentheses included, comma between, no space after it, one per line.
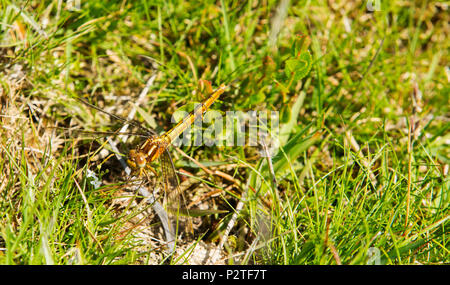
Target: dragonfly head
(136,159)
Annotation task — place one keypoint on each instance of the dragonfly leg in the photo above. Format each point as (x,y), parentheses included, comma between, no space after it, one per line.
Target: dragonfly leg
(151,169)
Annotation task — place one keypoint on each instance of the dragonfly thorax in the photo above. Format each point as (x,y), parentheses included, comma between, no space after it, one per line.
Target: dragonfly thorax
(148,152)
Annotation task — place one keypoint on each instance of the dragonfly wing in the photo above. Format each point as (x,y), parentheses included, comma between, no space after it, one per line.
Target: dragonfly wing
(176,204)
(148,132)
(175,197)
(98,133)
(170,180)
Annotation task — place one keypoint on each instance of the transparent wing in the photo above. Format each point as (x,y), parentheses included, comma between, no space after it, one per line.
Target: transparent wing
(137,124)
(174,196)
(96,134)
(176,203)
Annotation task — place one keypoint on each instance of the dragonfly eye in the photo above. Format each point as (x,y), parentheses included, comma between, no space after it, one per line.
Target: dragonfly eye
(136,159)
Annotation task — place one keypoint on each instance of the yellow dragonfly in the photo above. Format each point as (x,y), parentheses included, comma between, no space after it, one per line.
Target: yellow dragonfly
(157,147)
(154,147)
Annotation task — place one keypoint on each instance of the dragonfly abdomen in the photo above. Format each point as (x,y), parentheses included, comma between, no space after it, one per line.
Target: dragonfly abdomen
(199,111)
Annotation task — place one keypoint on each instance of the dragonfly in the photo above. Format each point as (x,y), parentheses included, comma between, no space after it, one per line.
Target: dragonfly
(157,147)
